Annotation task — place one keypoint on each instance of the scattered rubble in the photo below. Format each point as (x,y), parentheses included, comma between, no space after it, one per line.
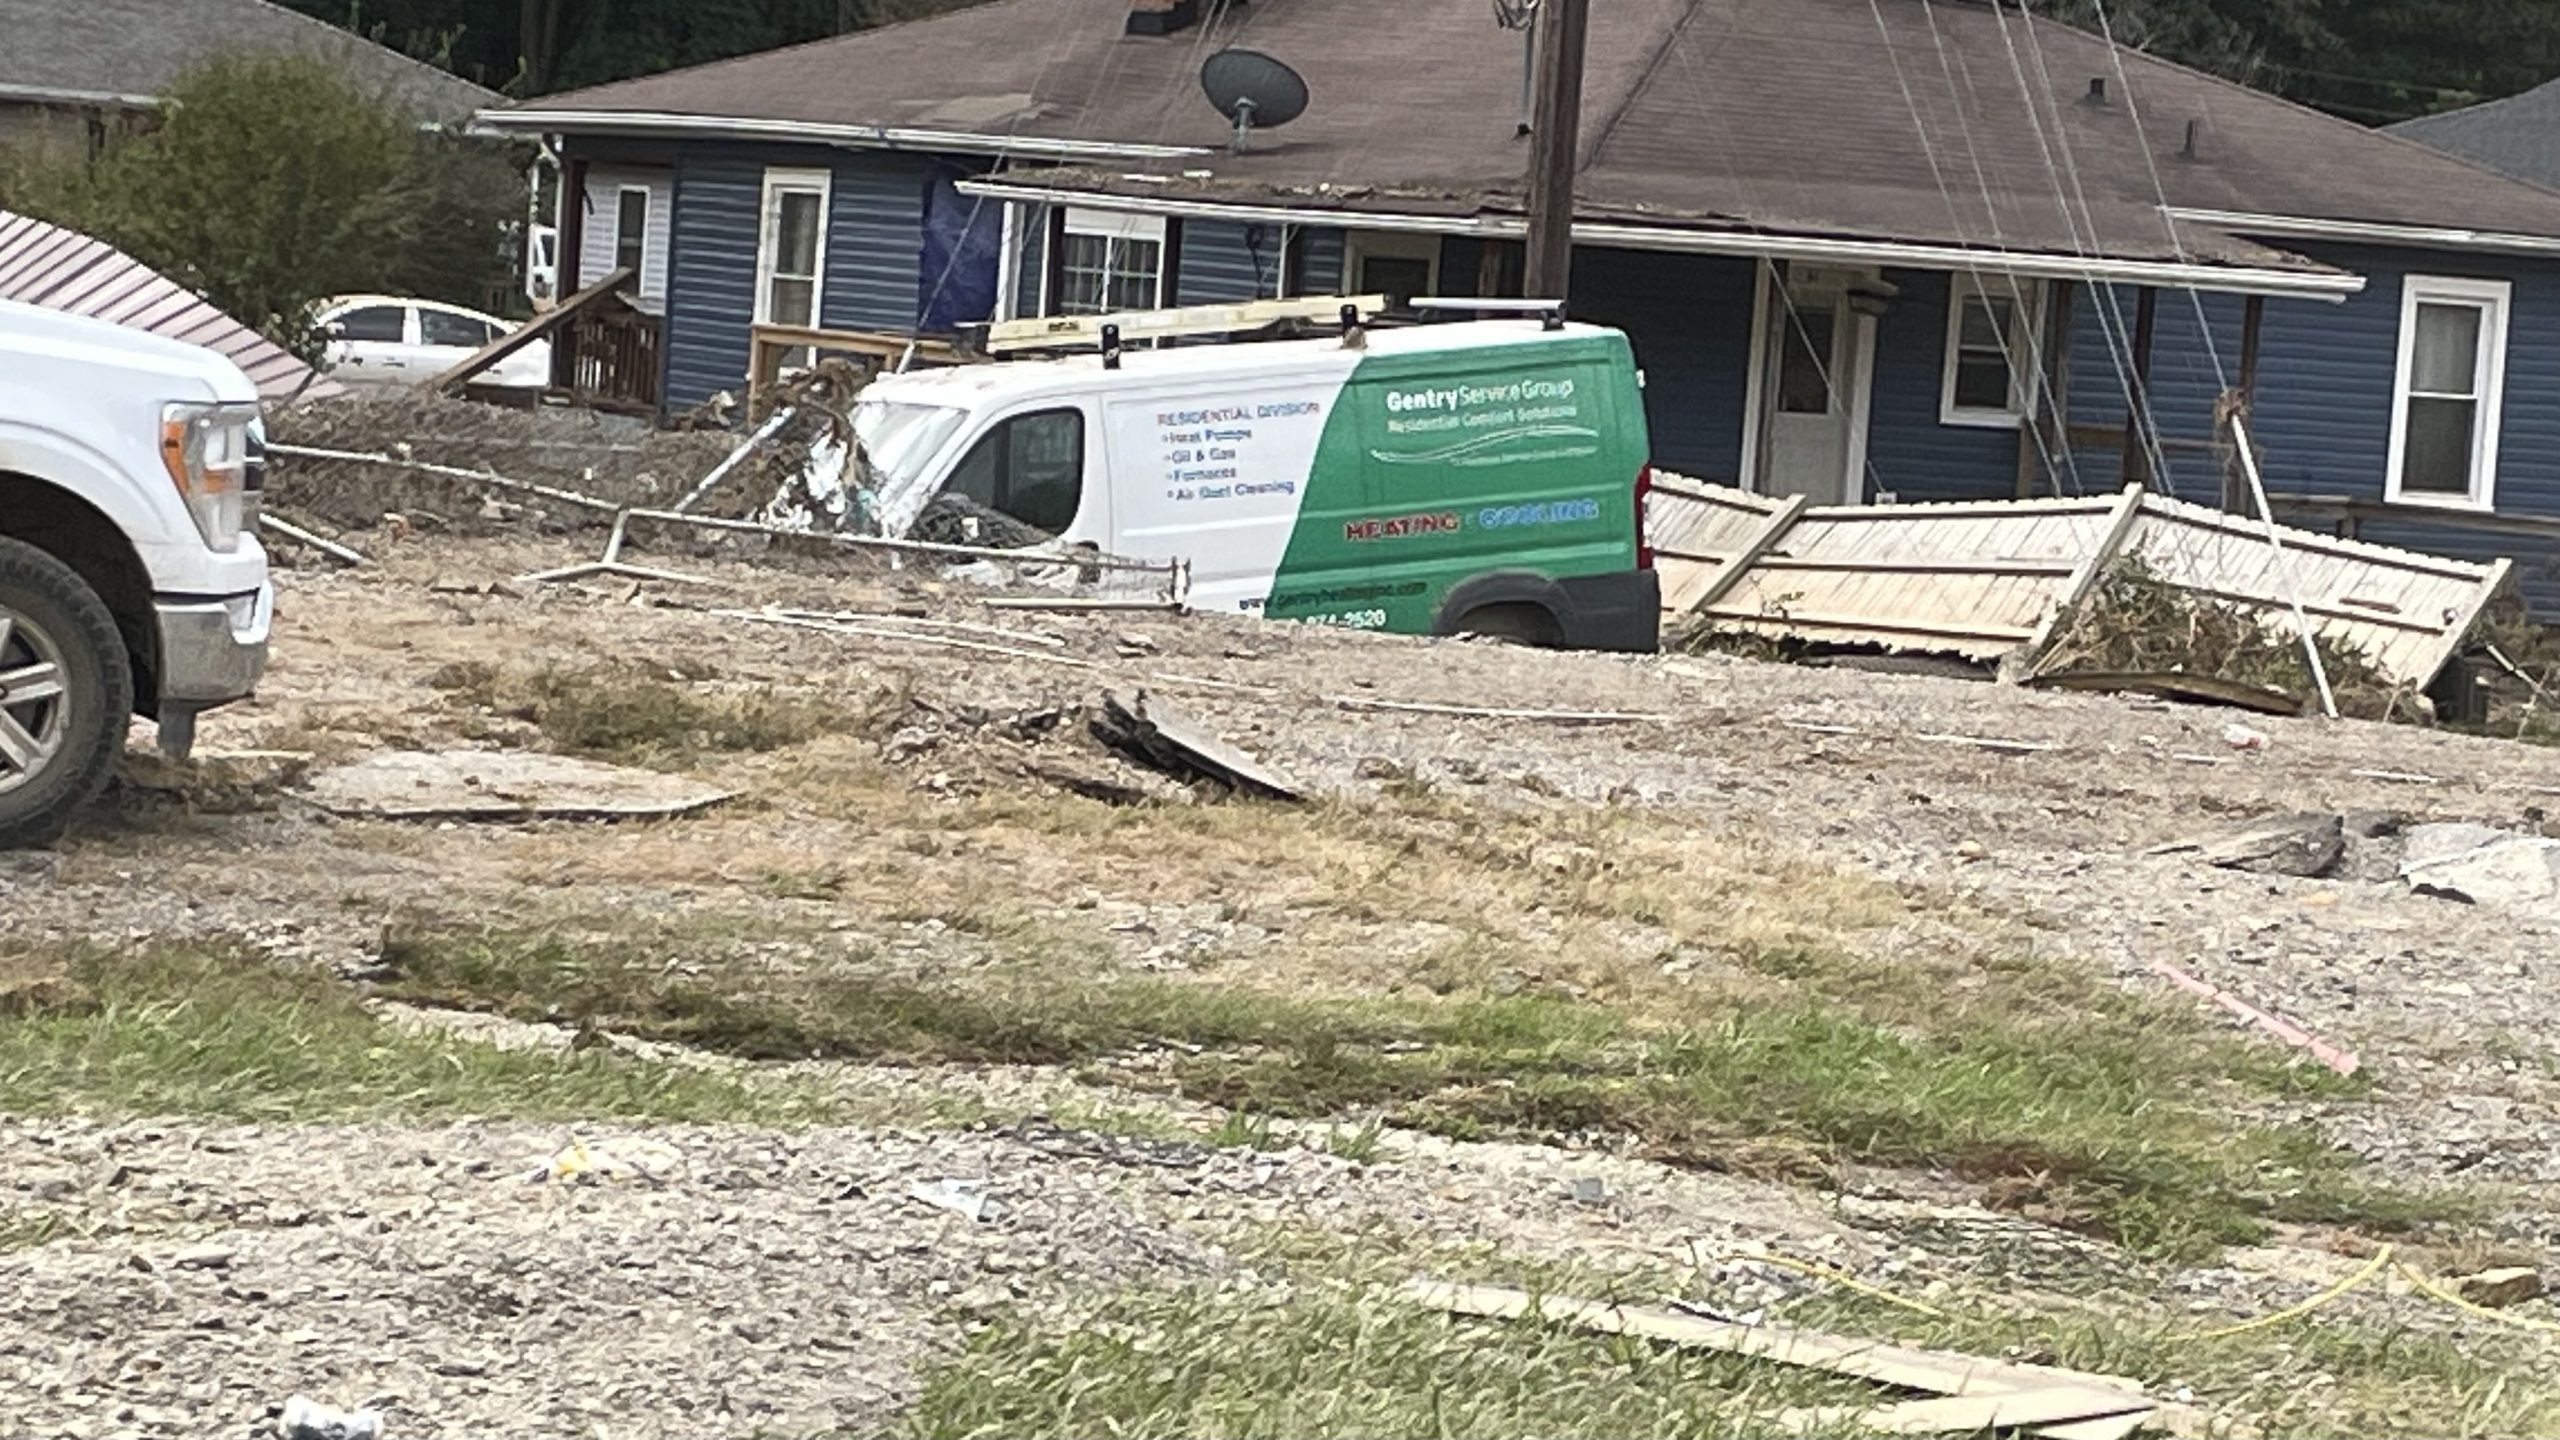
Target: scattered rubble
(2304,845)
(2500,1288)
(2483,866)
(505,785)
(1150,730)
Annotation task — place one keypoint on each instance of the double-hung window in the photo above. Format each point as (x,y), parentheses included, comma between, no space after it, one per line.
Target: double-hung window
(791,253)
(1109,263)
(2452,383)
(1991,352)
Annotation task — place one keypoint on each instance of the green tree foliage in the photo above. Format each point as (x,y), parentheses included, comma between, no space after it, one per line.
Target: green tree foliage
(271,181)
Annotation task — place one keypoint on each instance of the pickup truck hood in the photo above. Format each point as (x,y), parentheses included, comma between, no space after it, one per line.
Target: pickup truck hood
(31,331)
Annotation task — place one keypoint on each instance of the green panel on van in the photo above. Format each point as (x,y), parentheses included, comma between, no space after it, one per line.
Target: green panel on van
(1438,467)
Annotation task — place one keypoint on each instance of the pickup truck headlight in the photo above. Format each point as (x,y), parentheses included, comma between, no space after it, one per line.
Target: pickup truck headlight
(206,450)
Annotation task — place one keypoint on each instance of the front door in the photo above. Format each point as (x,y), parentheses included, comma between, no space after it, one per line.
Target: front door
(1816,353)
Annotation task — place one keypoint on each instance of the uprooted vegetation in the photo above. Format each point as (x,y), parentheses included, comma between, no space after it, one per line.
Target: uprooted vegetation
(2133,622)
(1622,980)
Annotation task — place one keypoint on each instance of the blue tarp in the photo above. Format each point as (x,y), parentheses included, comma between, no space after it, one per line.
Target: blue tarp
(963,235)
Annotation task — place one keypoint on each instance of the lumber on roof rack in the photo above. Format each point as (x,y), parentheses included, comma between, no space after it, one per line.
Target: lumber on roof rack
(1079,332)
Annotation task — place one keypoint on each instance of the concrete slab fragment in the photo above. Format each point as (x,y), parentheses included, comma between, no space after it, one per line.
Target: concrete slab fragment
(504,785)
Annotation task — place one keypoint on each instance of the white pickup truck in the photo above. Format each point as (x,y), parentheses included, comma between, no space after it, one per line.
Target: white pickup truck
(131,578)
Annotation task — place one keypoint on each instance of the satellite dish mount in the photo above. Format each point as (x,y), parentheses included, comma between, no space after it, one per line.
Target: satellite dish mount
(1253,91)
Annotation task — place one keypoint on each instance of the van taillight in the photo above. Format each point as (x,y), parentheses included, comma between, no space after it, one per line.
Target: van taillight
(1644,534)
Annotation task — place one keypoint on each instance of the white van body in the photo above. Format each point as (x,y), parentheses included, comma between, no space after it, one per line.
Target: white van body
(1205,453)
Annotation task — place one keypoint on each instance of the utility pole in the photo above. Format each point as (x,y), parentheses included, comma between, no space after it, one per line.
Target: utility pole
(1555,135)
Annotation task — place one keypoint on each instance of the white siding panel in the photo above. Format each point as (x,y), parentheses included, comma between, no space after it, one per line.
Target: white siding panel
(605,184)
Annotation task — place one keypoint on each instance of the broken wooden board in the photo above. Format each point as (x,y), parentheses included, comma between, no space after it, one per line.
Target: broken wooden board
(2065,1410)
(1148,730)
(504,785)
(2175,685)
(2113,1407)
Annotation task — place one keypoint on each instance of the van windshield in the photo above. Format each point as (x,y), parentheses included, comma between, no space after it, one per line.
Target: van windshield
(894,441)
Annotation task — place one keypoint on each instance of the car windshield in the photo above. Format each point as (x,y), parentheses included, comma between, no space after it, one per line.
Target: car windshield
(895,439)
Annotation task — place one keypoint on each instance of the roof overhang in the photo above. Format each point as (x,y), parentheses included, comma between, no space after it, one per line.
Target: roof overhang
(2318,284)
(668,126)
(2421,237)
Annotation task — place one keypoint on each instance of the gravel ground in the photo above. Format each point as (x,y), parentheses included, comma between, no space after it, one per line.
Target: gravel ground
(786,1282)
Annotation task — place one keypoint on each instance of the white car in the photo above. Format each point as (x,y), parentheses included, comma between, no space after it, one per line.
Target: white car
(379,340)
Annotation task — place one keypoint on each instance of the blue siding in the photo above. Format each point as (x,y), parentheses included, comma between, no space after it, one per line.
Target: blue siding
(1910,454)
(2188,376)
(1223,262)
(874,229)
(875,234)
(2325,377)
(1690,321)
(1320,262)
(711,272)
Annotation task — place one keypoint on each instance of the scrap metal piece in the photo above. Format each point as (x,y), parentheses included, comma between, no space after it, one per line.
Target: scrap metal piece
(1150,731)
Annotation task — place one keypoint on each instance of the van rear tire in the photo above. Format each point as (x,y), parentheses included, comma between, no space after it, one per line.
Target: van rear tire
(1514,622)
(66,695)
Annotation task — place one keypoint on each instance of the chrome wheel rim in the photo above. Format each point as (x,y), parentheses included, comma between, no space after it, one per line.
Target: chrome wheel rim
(35,713)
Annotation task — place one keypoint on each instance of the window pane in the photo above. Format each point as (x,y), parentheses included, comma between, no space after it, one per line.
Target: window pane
(1982,381)
(2437,460)
(1804,376)
(793,303)
(631,230)
(1084,261)
(438,327)
(1046,479)
(796,236)
(2446,358)
(1398,277)
(978,473)
(1134,267)
(373,322)
(1986,323)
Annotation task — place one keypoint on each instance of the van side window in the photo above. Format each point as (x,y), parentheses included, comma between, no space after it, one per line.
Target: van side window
(1031,467)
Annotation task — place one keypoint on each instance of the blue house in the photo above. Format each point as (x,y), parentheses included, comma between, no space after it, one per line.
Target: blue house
(1867,250)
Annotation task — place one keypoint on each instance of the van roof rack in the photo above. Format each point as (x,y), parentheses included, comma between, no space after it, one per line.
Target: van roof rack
(1078,332)
(1549,311)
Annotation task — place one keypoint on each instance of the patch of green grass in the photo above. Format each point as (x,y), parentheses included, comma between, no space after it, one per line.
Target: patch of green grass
(26,1229)
(207,1032)
(1326,1347)
(2121,1118)
(1329,1360)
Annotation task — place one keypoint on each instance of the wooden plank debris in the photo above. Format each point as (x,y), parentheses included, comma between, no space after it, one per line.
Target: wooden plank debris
(1148,730)
(2080,1397)
(1483,712)
(452,381)
(2342,1061)
(1971,1414)
(2175,685)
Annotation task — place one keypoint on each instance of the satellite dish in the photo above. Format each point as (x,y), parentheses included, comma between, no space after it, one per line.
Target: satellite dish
(1253,90)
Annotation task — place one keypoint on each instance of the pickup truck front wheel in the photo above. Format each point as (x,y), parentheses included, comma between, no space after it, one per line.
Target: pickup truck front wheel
(66,695)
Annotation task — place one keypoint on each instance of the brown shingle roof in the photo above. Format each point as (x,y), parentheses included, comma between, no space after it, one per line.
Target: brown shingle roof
(1945,122)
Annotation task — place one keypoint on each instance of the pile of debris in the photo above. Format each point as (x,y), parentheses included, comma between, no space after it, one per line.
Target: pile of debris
(1132,751)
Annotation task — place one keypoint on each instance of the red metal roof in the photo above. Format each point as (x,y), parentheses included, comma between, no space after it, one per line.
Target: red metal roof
(59,269)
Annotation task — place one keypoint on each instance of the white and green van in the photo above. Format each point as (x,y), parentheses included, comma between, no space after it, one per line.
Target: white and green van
(1484,476)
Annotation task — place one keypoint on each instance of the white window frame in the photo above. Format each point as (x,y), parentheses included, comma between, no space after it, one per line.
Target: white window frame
(778,181)
(2495,299)
(648,204)
(1113,225)
(1391,245)
(2025,381)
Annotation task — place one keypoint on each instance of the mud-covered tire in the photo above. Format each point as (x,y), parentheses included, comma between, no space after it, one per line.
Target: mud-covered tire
(66,695)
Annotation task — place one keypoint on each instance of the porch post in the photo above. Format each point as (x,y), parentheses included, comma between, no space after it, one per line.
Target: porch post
(2137,418)
(2235,489)
(2049,417)
(573,226)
